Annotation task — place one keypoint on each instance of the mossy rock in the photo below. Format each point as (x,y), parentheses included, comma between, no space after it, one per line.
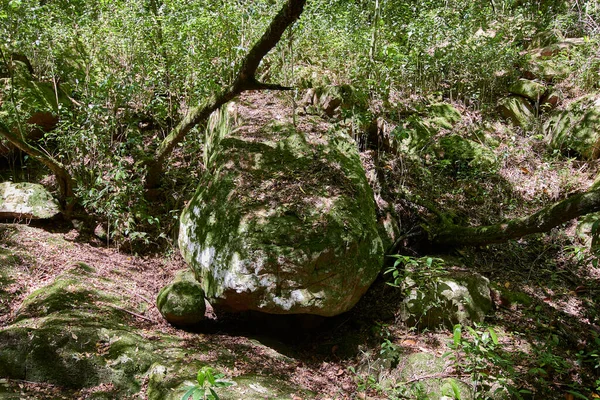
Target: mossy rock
(284,226)
(172,381)
(529,89)
(446,300)
(181,302)
(517,109)
(576,129)
(427,365)
(461,151)
(27,201)
(67,334)
(330,100)
(418,129)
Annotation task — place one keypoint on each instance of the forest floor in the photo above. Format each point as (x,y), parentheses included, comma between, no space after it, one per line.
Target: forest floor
(546,314)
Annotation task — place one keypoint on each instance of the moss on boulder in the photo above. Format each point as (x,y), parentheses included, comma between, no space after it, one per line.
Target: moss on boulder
(414,133)
(283,226)
(459,298)
(576,128)
(181,302)
(459,150)
(516,109)
(27,201)
(529,89)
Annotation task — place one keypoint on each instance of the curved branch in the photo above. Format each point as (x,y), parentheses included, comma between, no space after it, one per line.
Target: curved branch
(245,80)
(542,221)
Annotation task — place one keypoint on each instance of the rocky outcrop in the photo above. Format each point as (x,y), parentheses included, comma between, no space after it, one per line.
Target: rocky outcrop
(76,333)
(283,223)
(417,129)
(516,109)
(26,201)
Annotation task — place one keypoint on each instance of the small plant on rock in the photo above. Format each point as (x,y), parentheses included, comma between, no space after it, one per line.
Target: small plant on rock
(208,381)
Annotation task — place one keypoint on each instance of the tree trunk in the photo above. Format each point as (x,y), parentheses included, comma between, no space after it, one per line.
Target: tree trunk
(245,80)
(542,221)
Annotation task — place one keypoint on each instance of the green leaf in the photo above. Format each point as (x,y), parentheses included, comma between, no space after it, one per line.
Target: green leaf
(201,377)
(198,395)
(215,396)
(210,377)
(455,389)
(493,335)
(192,391)
(457,334)
(577,394)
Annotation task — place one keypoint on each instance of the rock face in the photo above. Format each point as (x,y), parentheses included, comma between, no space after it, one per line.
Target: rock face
(26,200)
(181,302)
(575,129)
(283,226)
(517,109)
(460,298)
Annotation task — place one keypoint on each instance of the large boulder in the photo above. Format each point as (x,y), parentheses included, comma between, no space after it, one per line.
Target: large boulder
(575,129)
(26,201)
(531,90)
(417,130)
(283,223)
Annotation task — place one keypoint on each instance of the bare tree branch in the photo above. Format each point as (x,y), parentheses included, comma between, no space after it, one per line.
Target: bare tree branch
(245,80)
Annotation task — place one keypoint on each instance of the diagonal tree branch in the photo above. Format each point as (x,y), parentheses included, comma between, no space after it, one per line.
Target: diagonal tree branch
(245,80)
(542,221)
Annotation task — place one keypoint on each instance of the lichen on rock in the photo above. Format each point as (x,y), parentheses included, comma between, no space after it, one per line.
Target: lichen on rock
(26,200)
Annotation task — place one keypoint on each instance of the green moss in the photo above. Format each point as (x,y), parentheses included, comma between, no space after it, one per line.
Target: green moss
(418,129)
(273,195)
(576,129)
(181,302)
(461,151)
(426,364)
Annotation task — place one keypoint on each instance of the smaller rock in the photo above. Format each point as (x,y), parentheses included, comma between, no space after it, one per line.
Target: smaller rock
(459,298)
(550,101)
(27,201)
(181,302)
(517,109)
(531,90)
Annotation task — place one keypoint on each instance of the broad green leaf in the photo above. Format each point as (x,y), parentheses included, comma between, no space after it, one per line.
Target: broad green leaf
(201,377)
(457,334)
(455,389)
(493,335)
(192,390)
